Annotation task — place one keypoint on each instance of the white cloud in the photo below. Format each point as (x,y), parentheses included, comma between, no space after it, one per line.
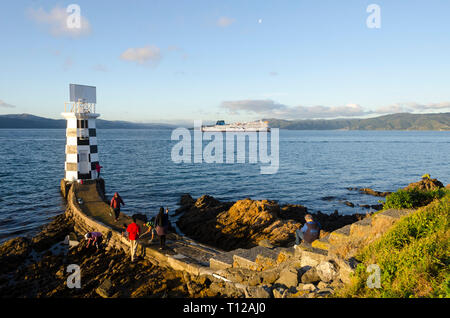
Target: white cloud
(225,21)
(3,104)
(269,108)
(142,55)
(56,20)
(412,107)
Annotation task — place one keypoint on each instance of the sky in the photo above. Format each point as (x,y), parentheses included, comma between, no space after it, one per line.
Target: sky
(179,61)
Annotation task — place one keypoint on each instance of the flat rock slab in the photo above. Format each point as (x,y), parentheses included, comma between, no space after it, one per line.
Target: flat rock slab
(248,258)
(201,257)
(322,243)
(224,260)
(393,213)
(310,256)
(340,234)
(361,226)
(252,258)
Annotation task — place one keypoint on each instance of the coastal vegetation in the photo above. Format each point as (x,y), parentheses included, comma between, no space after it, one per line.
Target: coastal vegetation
(413,255)
(416,194)
(412,198)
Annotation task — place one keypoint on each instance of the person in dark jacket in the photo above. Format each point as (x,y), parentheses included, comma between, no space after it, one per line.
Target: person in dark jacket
(116,201)
(309,232)
(162,226)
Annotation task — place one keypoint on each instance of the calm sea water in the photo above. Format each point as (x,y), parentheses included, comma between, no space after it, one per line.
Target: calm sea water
(137,164)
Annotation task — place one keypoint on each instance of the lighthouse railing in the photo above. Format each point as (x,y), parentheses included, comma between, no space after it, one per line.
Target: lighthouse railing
(79,107)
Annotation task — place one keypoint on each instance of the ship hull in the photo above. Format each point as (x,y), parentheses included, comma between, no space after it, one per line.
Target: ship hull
(231,129)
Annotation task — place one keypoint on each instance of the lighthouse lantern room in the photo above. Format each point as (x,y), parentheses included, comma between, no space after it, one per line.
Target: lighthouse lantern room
(81,135)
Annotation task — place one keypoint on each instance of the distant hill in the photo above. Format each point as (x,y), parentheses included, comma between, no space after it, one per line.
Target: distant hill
(31,121)
(400,121)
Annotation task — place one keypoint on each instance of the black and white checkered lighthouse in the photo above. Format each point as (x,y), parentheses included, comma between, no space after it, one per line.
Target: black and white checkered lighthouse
(81,135)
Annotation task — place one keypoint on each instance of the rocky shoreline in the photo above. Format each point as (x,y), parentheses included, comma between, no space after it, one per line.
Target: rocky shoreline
(245,223)
(33,268)
(36,267)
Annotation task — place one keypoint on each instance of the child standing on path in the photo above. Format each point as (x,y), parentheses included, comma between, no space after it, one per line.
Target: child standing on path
(133,234)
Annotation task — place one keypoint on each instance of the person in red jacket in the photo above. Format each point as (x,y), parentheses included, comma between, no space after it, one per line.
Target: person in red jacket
(116,201)
(98,168)
(133,234)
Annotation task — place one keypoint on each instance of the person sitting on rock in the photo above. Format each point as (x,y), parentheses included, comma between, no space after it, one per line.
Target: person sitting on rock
(309,232)
(95,237)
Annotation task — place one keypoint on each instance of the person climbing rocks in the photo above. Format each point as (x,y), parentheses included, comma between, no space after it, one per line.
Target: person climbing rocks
(124,230)
(309,232)
(150,229)
(162,226)
(116,201)
(133,235)
(95,237)
(98,168)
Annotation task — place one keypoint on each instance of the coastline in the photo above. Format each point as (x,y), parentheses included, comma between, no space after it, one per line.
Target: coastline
(260,262)
(41,259)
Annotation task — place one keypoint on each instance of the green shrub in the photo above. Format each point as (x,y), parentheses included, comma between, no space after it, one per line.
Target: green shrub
(413,198)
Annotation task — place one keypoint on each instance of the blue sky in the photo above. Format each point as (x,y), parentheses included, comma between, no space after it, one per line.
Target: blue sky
(176,61)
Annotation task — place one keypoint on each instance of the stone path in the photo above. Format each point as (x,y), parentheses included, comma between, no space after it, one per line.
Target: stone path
(177,246)
(185,254)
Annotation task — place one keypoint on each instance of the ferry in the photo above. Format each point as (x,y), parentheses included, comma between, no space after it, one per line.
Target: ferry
(220,125)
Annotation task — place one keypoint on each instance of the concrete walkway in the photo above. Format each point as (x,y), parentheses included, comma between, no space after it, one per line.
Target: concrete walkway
(179,247)
(183,253)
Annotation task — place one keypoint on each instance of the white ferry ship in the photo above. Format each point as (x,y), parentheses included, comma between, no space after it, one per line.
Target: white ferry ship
(238,127)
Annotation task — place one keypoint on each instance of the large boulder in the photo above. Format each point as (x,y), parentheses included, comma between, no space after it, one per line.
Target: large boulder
(258,292)
(425,184)
(288,277)
(240,225)
(105,289)
(256,221)
(247,223)
(186,200)
(206,201)
(310,276)
(326,271)
(13,253)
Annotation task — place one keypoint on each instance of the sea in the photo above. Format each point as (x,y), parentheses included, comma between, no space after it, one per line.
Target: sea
(315,169)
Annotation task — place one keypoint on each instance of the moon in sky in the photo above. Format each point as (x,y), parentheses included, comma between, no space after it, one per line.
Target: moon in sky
(260,21)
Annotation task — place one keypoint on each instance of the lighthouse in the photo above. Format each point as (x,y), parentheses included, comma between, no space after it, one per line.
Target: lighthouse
(81,135)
